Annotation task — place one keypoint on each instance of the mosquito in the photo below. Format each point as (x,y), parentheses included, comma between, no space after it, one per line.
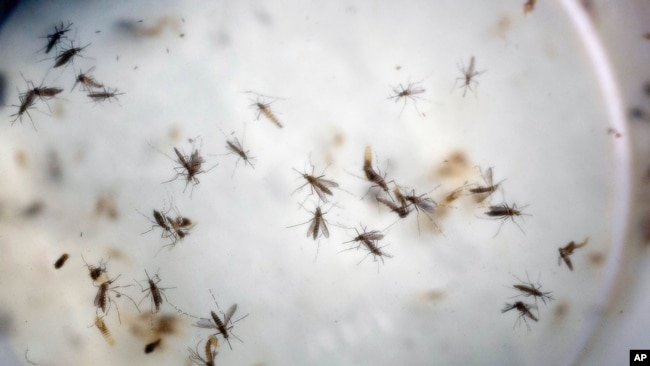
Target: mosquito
(529,289)
(154,291)
(152,346)
(265,109)
(317,184)
(318,225)
(222,326)
(402,210)
(181,226)
(104,95)
(235,147)
(67,56)
(103,300)
(210,352)
(410,92)
(371,174)
(189,166)
(99,323)
(483,192)
(54,38)
(423,203)
(567,251)
(61,261)
(505,212)
(87,81)
(524,312)
(468,76)
(27,101)
(369,239)
(96,272)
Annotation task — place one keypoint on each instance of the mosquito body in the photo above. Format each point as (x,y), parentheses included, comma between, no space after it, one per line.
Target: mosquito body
(223,327)
(189,167)
(370,173)
(54,38)
(104,95)
(410,92)
(421,202)
(318,184)
(528,289)
(567,251)
(99,323)
(369,240)
(483,192)
(102,299)
(155,292)
(235,147)
(505,212)
(61,261)
(402,210)
(46,93)
(96,272)
(27,101)
(150,347)
(318,225)
(87,81)
(67,56)
(524,312)
(469,73)
(210,352)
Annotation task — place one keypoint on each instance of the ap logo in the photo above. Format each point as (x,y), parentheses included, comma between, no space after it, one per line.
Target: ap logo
(639,357)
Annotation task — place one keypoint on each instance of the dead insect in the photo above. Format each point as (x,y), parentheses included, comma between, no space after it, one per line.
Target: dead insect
(87,81)
(106,94)
(483,192)
(152,346)
(505,212)
(46,93)
(181,226)
(222,326)
(237,148)
(524,312)
(265,109)
(61,261)
(96,272)
(468,76)
(66,56)
(371,174)
(154,291)
(318,225)
(402,210)
(54,38)
(567,251)
(210,352)
(103,300)
(190,166)
(529,6)
(421,202)
(529,289)
(27,101)
(99,323)
(317,184)
(369,239)
(410,92)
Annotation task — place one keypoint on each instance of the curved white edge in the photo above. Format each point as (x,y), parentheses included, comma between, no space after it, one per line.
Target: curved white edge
(622,188)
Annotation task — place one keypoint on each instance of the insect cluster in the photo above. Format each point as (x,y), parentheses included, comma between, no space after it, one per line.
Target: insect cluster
(190,164)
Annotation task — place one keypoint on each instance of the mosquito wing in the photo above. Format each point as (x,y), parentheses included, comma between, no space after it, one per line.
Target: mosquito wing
(181,158)
(326,182)
(205,323)
(229,314)
(313,229)
(488,177)
(323,228)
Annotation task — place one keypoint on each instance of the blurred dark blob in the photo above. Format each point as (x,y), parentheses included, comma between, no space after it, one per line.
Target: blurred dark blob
(54,168)
(6,7)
